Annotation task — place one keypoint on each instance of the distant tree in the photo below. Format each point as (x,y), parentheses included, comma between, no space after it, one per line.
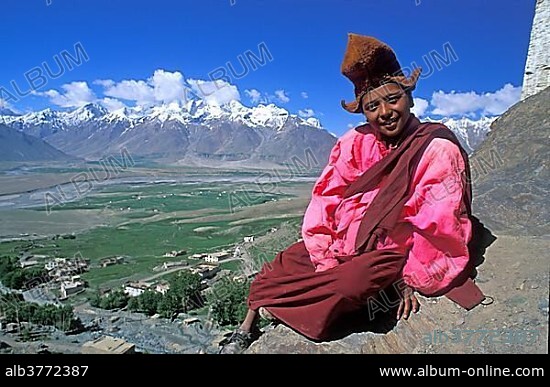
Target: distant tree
(95,300)
(114,300)
(147,302)
(227,301)
(65,320)
(6,265)
(133,304)
(170,304)
(185,288)
(25,334)
(15,277)
(16,310)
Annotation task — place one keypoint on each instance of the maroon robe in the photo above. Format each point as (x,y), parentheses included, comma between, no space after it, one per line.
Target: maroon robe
(310,302)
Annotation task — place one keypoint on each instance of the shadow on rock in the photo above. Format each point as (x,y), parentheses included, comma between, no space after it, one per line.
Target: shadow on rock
(482,238)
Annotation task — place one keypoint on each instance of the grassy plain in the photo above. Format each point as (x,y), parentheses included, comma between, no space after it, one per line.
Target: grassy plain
(145,218)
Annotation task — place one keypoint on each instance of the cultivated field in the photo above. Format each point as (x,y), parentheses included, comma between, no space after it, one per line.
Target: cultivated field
(143,213)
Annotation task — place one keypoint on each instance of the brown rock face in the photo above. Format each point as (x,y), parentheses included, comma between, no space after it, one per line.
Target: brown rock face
(511,171)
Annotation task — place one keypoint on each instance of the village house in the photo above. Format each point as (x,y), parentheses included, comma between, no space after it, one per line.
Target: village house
(170,265)
(237,252)
(217,256)
(205,271)
(55,263)
(211,259)
(29,261)
(162,288)
(109,261)
(134,289)
(175,253)
(71,287)
(59,269)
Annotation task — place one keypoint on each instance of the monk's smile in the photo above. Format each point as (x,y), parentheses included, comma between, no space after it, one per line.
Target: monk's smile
(387,109)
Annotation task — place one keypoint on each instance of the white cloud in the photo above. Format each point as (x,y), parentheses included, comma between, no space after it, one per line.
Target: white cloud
(420,106)
(104,82)
(471,103)
(281,96)
(254,95)
(304,95)
(257,97)
(112,104)
(75,94)
(217,92)
(131,90)
(168,87)
(162,87)
(306,113)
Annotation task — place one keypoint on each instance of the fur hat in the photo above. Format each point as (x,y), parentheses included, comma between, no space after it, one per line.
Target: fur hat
(369,63)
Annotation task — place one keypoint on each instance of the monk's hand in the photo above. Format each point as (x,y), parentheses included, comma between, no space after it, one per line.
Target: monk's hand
(408,303)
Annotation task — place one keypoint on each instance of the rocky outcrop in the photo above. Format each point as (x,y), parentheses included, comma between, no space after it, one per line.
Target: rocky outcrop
(516,321)
(510,170)
(511,181)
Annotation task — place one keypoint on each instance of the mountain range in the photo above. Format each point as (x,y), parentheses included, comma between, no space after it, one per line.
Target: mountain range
(470,132)
(18,146)
(197,132)
(172,133)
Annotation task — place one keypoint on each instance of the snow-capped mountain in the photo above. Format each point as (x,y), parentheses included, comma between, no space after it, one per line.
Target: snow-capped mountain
(197,129)
(46,122)
(269,116)
(173,132)
(470,133)
(83,114)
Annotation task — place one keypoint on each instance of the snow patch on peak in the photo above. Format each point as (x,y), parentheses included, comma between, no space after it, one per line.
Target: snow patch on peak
(84,113)
(122,114)
(236,106)
(471,131)
(268,115)
(41,117)
(171,111)
(192,111)
(314,122)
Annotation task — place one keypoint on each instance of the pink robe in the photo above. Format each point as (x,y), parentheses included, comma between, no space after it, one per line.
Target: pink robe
(434,226)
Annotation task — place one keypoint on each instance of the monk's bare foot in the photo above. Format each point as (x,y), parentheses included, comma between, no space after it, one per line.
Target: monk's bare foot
(264,313)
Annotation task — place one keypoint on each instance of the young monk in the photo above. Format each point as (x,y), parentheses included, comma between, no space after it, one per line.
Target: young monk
(391,209)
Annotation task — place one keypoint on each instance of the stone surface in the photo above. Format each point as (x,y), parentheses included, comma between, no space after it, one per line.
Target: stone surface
(537,67)
(516,322)
(510,170)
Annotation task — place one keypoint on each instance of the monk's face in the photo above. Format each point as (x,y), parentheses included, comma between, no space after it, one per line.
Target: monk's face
(387,109)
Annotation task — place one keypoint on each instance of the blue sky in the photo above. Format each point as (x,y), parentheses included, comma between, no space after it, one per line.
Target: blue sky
(142,52)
